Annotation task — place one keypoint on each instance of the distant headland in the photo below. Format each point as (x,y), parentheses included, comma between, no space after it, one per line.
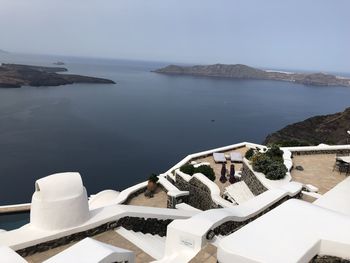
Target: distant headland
(59,63)
(16,75)
(239,71)
(331,129)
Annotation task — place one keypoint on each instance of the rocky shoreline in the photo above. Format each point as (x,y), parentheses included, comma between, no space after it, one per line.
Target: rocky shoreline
(239,71)
(16,76)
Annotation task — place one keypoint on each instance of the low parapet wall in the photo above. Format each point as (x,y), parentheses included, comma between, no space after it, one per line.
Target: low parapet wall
(175,195)
(203,193)
(258,181)
(319,149)
(188,158)
(231,226)
(152,226)
(17,208)
(199,194)
(28,239)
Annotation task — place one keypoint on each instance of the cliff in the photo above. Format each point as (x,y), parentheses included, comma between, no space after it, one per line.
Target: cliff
(331,129)
(15,76)
(239,71)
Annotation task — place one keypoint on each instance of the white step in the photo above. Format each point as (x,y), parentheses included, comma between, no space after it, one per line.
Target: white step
(153,245)
(158,241)
(239,192)
(311,194)
(217,240)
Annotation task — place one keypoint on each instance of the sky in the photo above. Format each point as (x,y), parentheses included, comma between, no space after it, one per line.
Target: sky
(288,34)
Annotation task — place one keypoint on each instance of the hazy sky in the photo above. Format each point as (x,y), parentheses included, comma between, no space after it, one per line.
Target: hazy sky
(296,34)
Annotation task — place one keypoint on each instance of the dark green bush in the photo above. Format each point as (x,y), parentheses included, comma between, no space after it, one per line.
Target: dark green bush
(206,170)
(187,169)
(274,152)
(261,162)
(249,154)
(153,178)
(270,163)
(276,171)
(292,143)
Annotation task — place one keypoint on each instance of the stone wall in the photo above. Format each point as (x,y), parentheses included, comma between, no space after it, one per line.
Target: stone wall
(199,194)
(232,226)
(328,259)
(344,151)
(251,181)
(173,201)
(152,226)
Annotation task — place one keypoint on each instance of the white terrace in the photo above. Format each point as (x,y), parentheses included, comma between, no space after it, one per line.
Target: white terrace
(294,231)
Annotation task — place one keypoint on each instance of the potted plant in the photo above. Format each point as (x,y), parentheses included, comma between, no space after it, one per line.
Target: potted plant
(151,185)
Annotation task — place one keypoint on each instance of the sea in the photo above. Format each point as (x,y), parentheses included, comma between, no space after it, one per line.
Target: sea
(116,135)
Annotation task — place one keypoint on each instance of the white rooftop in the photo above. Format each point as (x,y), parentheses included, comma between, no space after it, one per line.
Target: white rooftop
(295,231)
(92,251)
(7,255)
(338,198)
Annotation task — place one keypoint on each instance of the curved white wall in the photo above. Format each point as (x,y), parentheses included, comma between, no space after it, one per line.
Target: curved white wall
(59,202)
(103,198)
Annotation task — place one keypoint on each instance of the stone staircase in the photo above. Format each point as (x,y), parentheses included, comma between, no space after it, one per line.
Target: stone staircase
(153,245)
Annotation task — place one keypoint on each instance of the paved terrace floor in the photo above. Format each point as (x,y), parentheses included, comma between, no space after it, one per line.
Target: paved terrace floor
(206,255)
(109,237)
(217,166)
(158,200)
(318,171)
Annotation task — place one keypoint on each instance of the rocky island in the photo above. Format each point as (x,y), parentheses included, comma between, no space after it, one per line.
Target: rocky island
(330,129)
(59,63)
(16,75)
(239,71)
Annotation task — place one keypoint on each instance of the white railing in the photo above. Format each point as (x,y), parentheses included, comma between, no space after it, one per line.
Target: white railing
(14,208)
(189,157)
(320,147)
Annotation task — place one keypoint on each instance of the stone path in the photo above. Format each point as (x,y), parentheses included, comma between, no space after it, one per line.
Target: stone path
(158,200)
(206,255)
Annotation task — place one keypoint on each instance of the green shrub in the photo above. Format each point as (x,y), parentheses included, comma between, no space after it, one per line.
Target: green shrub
(261,162)
(249,154)
(276,171)
(270,163)
(187,169)
(274,152)
(207,171)
(292,143)
(153,178)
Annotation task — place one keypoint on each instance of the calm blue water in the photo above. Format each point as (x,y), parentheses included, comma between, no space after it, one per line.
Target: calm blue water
(116,135)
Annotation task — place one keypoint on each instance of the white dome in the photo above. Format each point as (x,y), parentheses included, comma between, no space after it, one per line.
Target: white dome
(59,202)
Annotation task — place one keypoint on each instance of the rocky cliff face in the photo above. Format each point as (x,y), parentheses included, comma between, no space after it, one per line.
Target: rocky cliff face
(240,71)
(331,129)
